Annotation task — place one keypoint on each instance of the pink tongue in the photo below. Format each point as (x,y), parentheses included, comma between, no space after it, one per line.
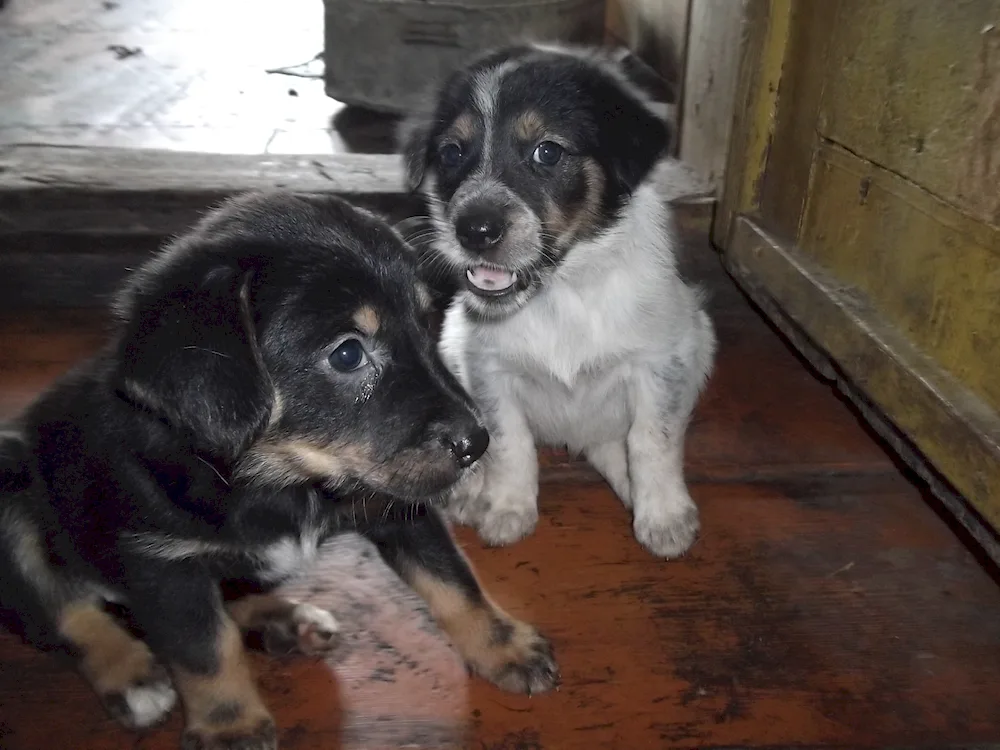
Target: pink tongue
(489,279)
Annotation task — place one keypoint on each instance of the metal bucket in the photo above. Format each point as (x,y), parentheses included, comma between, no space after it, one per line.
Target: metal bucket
(384,54)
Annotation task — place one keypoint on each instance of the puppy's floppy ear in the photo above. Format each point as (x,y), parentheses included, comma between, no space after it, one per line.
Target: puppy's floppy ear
(189,354)
(639,135)
(414,145)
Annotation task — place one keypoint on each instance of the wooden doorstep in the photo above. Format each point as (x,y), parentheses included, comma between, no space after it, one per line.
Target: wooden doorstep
(73,220)
(90,190)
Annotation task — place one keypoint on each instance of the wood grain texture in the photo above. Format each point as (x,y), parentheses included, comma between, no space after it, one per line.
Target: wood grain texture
(716,35)
(948,425)
(815,611)
(917,91)
(761,66)
(864,130)
(146,191)
(931,270)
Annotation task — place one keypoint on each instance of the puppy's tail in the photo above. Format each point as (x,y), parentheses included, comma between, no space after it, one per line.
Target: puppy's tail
(15,464)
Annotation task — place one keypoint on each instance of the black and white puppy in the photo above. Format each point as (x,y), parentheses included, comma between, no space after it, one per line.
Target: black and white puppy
(271,381)
(572,326)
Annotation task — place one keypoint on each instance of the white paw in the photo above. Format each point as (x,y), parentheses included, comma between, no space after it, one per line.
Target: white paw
(316,628)
(302,629)
(150,704)
(146,701)
(665,532)
(505,525)
(463,504)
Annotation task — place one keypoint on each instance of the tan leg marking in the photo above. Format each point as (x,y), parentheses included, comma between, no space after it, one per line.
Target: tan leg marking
(509,653)
(134,688)
(224,709)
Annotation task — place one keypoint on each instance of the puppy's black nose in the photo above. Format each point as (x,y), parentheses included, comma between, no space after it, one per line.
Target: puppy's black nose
(479,229)
(468,447)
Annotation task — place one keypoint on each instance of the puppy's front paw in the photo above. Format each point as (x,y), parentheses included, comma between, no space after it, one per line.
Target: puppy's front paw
(463,505)
(665,532)
(515,657)
(146,695)
(505,525)
(300,629)
(258,734)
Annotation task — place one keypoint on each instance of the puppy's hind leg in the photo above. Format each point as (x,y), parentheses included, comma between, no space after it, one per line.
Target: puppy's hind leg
(133,686)
(509,653)
(180,606)
(67,614)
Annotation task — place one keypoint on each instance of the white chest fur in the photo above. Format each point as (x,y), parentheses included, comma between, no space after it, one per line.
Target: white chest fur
(615,305)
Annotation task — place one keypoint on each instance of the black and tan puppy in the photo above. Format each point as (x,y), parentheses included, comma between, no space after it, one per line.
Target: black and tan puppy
(270,372)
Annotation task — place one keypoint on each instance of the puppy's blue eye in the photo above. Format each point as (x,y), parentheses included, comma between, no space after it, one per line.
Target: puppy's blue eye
(349,356)
(450,155)
(548,153)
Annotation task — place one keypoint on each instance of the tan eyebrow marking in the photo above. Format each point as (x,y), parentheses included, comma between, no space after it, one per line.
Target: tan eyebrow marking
(367,320)
(464,127)
(530,125)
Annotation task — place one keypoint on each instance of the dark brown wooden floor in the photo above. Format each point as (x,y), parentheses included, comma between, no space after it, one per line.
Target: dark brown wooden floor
(826,603)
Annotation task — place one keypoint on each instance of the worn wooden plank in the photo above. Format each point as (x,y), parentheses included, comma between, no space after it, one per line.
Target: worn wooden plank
(931,270)
(716,36)
(829,612)
(73,220)
(917,90)
(148,191)
(953,429)
(785,181)
(755,101)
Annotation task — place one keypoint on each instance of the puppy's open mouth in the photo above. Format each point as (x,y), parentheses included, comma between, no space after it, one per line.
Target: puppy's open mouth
(490,281)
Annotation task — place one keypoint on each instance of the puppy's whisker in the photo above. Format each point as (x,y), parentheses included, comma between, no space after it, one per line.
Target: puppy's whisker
(388,507)
(191,347)
(216,471)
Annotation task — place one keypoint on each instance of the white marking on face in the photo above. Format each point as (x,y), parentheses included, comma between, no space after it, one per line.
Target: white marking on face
(485,88)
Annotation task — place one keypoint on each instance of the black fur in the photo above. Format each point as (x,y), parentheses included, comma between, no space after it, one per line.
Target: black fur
(594,111)
(213,425)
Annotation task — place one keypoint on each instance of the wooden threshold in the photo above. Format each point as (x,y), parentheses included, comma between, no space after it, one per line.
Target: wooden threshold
(73,219)
(98,190)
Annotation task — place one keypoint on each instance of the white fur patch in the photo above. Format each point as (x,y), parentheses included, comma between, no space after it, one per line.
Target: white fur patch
(290,555)
(309,616)
(149,704)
